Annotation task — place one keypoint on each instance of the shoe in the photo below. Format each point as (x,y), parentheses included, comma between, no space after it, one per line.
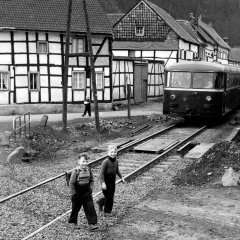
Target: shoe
(100,207)
(93,227)
(83,115)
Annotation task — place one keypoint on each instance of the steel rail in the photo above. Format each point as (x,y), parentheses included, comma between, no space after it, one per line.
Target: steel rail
(122,149)
(127,177)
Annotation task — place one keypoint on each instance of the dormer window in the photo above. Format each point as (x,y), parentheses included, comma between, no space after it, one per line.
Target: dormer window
(139,31)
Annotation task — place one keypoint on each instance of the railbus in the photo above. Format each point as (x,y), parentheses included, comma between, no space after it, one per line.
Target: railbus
(198,88)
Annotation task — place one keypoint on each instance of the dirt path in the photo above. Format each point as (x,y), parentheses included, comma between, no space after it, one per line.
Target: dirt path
(199,213)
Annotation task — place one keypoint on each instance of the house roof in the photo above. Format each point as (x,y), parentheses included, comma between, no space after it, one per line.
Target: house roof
(188,27)
(171,22)
(114,17)
(213,34)
(51,15)
(234,54)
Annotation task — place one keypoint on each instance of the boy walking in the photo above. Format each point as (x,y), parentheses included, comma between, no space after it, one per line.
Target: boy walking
(81,185)
(87,105)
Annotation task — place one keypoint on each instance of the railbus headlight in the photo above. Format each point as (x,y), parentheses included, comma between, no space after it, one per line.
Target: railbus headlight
(173,97)
(209,98)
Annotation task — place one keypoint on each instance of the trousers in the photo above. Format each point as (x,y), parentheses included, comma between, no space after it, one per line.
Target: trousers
(85,200)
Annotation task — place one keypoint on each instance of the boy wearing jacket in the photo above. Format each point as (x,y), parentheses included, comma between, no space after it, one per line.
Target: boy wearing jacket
(81,185)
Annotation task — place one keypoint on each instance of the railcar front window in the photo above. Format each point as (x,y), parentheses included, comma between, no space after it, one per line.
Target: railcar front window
(203,80)
(180,80)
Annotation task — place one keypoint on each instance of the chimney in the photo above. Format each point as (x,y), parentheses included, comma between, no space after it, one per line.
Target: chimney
(193,20)
(191,16)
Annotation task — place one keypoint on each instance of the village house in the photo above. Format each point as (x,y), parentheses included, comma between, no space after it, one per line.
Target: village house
(215,48)
(32,49)
(149,32)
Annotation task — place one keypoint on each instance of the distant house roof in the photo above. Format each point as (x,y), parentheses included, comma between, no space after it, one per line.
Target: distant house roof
(188,27)
(171,22)
(51,15)
(234,54)
(114,17)
(213,34)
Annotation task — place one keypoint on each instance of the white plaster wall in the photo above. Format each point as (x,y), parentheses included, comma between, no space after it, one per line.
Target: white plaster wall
(194,48)
(55,59)
(122,66)
(54,47)
(52,37)
(34,96)
(115,93)
(171,61)
(99,95)
(56,94)
(22,95)
(55,81)
(56,71)
(166,54)
(21,81)
(4,97)
(78,95)
(19,36)
(69,95)
(122,79)
(5,36)
(122,93)
(33,58)
(106,82)
(20,47)
(43,81)
(21,70)
(43,70)
(5,59)
(183,45)
(5,47)
(41,36)
(32,47)
(44,95)
(43,58)
(102,61)
(148,54)
(4,68)
(31,36)
(120,53)
(107,93)
(20,58)
(33,69)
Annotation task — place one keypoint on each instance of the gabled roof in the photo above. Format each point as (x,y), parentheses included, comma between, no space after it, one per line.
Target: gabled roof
(51,15)
(171,22)
(213,34)
(114,17)
(188,27)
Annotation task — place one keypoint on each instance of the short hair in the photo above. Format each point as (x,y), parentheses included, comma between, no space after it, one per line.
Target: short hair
(83,155)
(110,147)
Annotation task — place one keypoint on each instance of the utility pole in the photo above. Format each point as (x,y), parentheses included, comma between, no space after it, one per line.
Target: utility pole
(65,70)
(93,75)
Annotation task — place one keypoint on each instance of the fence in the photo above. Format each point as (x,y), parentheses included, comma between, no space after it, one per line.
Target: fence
(22,123)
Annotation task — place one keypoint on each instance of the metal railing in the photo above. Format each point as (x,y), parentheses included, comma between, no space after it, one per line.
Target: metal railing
(22,124)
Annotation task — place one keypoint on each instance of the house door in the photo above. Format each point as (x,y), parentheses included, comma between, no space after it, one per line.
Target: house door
(140,82)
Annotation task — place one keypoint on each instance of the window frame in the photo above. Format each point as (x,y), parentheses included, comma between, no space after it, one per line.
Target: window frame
(85,80)
(74,47)
(8,81)
(138,32)
(38,47)
(37,81)
(102,80)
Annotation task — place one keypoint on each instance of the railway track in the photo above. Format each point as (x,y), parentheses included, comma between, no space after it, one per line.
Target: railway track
(44,194)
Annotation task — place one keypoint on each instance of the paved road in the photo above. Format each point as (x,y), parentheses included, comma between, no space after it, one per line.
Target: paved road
(143,109)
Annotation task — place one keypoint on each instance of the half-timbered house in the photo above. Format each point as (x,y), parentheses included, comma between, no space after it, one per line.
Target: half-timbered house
(32,47)
(216,49)
(149,32)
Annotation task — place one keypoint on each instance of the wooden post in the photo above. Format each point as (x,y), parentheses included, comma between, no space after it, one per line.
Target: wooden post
(128,98)
(65,71)
(93,75)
